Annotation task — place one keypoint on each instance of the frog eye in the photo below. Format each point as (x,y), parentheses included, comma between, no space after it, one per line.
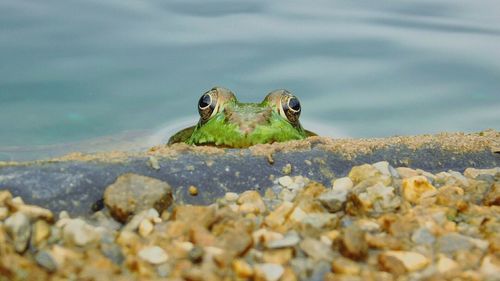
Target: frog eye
(207,105)
(290,108)
(213,101)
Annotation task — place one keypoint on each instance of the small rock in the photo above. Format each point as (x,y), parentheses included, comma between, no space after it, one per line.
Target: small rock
(5,196)
(40,233)
(449,196)
(163,270)
(353,243)
(137,219)
(379,198)
(285,181)
(452,242)
(145,228)
(113,252)
(343,184)
(291,239)
(391,264)
(405,172)
(46,260)
(287,169)
(32,211)
(153,162)
(132,193)
(423,236)
(200,215)
(196,254)
(363,172)
(278,256)
(253,201)
(412,261)
(414,187)
(4,213)
(231,196)
(269,271)
(193,190)
(279,215)
(19,228)
(343,265)
(316,249)
(383,167)
(333,200)
(242,269)
(474,173)
(153,254)
(79,233)
(493,197)
(490,266)
(445,264)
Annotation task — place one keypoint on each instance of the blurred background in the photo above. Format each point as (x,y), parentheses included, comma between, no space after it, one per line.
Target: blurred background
(125,74)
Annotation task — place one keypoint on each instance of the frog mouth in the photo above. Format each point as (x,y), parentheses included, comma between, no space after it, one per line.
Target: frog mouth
(248,116)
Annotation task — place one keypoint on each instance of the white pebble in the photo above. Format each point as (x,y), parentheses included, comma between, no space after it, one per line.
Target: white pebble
(153,255)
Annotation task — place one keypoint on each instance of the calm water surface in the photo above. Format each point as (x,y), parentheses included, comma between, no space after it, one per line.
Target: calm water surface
(92,75)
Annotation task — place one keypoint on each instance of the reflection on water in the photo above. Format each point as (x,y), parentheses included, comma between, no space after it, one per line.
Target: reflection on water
(73,72)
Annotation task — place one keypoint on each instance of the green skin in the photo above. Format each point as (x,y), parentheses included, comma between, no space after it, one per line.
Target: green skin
(239,125)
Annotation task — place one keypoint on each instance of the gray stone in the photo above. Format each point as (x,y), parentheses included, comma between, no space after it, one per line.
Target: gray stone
(270,271)
(423,236)
(132,193)
(46,260)
(153,255)
(19,228)
(113,252)
(291,239)
(316,250)
(333,200)
(79,233)
(452,242)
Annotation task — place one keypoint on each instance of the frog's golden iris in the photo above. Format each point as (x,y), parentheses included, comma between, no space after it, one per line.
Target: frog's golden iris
(226,122)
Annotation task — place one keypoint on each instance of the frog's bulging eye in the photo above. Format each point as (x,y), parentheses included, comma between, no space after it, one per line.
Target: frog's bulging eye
(291,108)
(204,101)
(207,105)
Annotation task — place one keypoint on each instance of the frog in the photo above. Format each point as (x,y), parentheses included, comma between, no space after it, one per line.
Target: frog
(226,122)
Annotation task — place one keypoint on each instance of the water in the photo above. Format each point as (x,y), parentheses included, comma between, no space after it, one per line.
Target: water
(93,75)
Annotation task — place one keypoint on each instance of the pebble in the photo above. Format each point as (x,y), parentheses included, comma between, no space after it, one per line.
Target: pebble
(193,190)
(285,181)
(316,249)
(423,236)
(242,269)
(4,213)
(353,243)
(343,184)
(135,222)
(5,196)
(153,254)
(445,264)
(291,239)
(79,233)
(269,271)
(145,228)
(452,242)
(40,233)
(415,187)
(153,163)
(412,261)
(132,193)
(333,200)
(46,260)
(490,266)
(343,265)
(19,228)
(231,196)
(32,211)
(253,200)
(383,167)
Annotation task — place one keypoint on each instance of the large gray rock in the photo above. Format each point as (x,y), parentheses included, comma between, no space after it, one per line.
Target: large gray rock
(131,194)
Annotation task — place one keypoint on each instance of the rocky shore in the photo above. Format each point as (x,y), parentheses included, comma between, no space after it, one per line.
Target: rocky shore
(377,223)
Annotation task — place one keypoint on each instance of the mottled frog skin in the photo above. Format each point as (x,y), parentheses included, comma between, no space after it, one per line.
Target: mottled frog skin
(228,123)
